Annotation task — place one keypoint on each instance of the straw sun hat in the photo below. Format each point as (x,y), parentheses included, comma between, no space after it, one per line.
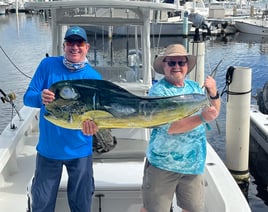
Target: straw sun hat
(174,50)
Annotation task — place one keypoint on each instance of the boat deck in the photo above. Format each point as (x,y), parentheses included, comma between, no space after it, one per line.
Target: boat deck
(13,190)
(118,174)
(123,187)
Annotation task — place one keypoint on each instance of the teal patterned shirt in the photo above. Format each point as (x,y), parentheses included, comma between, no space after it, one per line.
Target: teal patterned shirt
(183,153)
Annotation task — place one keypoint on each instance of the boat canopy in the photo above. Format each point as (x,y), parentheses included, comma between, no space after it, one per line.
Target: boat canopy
(104,12)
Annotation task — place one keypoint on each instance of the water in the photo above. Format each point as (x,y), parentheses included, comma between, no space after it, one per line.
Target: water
(26,39)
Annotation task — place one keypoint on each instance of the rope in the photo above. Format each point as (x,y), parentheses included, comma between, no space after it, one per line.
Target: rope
(229,79)
(237,93)
(14,64)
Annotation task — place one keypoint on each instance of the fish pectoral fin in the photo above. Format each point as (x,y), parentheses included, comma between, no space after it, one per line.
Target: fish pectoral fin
(95,115)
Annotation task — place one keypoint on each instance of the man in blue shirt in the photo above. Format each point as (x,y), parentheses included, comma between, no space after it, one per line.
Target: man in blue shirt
(58,146)
(177,151)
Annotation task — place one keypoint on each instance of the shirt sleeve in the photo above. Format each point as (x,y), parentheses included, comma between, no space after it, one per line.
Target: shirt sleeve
(32,97)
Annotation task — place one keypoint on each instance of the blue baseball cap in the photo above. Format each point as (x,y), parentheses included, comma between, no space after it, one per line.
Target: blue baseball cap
(76,31)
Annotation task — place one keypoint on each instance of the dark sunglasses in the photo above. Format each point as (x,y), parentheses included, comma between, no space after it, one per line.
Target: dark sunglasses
(79,43)
(173,63)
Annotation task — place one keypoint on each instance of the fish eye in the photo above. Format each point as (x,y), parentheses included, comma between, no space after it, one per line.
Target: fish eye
(68,92)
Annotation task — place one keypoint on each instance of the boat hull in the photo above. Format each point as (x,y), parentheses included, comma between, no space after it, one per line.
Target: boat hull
(3,8)
(259,127)
(259,144)
(252,26)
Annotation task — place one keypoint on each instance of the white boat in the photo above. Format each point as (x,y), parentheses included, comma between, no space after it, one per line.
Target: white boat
(259,119)
(253,25)
(17,6)
(259,134)
(164,23)
(170,27)
(3,7)
(118,173)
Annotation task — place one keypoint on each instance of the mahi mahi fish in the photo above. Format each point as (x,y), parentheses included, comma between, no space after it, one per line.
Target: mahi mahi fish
(111,106)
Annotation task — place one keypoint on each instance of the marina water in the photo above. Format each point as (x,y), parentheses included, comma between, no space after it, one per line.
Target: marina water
(25,40)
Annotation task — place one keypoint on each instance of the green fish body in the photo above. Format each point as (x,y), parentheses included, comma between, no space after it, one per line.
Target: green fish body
(111,106)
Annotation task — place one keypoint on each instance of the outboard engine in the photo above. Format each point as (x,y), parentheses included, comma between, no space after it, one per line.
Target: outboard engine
(200,22)
(262,99)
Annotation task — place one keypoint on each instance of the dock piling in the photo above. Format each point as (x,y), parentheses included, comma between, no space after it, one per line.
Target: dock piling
(238,124)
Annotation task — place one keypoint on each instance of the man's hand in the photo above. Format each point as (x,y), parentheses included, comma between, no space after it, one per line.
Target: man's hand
(47,96)
(89,127)
(210,114)
(210,85)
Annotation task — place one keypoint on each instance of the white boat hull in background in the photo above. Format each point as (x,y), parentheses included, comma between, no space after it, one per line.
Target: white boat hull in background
(3,7)
(252,26)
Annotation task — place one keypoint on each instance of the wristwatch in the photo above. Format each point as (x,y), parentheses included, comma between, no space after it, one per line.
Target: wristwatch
(215,97)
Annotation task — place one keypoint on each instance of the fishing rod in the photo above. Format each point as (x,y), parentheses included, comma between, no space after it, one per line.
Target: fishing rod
(214,71)
(213,74)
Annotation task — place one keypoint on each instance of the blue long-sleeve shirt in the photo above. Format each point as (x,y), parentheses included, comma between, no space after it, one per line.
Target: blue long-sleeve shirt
(56,142)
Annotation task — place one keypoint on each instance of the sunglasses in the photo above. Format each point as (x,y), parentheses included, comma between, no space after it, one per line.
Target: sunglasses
(173,63)
(79,43)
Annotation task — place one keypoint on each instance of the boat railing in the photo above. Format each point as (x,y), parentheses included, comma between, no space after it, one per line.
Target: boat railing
(13,139)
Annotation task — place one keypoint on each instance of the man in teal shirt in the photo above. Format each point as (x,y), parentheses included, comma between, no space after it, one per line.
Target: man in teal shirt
(177,151)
